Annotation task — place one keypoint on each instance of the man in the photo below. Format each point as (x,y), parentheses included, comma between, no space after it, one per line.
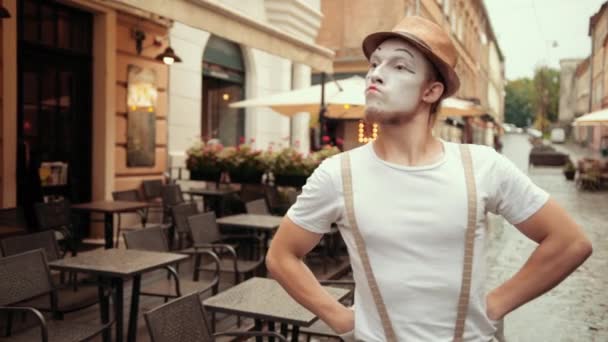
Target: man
(410,198)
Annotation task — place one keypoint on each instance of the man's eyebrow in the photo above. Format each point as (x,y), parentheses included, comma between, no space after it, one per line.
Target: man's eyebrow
(406,51)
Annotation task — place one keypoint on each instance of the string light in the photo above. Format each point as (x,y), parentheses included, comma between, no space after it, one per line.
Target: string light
(363,137)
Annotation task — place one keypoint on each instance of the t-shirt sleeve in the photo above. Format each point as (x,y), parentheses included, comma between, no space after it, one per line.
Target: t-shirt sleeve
(317,207)
(515,196)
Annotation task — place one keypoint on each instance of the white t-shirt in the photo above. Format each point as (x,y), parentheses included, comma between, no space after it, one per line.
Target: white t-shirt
(413,221)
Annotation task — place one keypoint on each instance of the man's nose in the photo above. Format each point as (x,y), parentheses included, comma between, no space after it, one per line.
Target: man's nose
(375,76)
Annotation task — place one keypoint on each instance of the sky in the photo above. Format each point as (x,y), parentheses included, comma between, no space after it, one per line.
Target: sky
(527,30)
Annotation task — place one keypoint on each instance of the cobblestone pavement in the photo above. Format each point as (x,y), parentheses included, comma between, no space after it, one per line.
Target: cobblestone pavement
(577,309)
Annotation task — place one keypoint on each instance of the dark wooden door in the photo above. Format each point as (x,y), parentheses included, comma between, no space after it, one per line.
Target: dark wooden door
(54,107)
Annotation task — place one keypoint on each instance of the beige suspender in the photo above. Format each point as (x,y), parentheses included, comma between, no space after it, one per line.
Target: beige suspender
(463,300)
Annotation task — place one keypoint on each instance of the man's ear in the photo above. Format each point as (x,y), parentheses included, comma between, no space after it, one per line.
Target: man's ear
(433,92)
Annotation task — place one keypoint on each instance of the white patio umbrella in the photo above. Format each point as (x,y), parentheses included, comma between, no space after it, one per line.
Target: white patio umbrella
(591,119)
(345,99)
(453,106)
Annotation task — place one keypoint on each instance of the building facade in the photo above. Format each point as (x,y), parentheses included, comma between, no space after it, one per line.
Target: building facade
(567,90)
(73,72)
(591,78)
(480,66)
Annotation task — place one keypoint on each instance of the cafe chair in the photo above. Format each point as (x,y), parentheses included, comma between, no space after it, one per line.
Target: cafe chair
(57,217)
(185,320)
(73,296)
(258,207)
(153,239)
(206,234)
(26,276)
(180,214)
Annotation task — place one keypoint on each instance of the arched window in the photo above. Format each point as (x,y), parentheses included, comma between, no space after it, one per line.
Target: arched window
(223,83)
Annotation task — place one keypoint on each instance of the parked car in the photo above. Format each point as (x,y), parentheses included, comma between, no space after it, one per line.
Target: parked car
(558,136)
(534,133)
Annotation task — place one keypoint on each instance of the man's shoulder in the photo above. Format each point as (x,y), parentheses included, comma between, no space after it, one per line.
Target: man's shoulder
(481,153)
(333,164)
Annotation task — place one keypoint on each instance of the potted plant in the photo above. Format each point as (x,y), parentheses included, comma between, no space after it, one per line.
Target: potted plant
(569,170)
(292,168)
(244,164)
(203,161)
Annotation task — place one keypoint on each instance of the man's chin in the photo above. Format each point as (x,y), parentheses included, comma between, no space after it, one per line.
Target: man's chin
(377,115)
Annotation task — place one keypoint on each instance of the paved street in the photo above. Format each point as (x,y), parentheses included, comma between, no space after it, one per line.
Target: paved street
(576,310)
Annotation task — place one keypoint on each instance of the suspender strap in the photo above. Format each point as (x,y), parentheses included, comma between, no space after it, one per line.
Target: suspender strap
(463,300)
(347,184)
(467,269)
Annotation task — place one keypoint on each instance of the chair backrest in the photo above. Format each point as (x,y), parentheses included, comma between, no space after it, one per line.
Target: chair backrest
(53,214)
(171,195)
(182,319)
(43,240)
(24,276)
(152,188)
(181,212)
(126,195)
(203,228)
(149,239)
(257,207)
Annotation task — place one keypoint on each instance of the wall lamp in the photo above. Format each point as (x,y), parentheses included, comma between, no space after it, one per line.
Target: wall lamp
(168,56)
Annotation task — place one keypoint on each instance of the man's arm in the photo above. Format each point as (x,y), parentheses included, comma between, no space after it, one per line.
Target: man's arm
(284,261)
(562,248)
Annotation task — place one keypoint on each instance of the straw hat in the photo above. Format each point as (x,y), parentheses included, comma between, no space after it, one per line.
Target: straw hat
(431,39)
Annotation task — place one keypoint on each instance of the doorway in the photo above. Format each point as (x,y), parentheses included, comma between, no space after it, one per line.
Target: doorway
(54,102)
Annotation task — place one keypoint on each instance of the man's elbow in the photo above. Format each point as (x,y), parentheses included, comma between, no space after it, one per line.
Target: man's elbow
(274,263)
(581,249)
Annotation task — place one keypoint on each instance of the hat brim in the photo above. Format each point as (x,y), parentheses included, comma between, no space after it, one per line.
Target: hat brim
(451,81)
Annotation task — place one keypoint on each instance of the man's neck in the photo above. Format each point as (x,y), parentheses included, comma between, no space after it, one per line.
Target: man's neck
(408,143)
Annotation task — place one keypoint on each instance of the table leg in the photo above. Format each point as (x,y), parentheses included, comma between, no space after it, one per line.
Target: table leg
(104,310)
(108,220)
(284,330)
(258,327)
(132,333)
(295,332)
(118,284)
(271,329)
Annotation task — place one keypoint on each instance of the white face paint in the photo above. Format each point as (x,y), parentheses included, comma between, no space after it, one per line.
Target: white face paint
(395,81)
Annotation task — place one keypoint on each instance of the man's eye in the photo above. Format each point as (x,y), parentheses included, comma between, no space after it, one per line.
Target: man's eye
(400,67)
(373,65)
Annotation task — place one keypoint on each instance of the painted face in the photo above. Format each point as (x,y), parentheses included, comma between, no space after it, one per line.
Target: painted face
(394,83)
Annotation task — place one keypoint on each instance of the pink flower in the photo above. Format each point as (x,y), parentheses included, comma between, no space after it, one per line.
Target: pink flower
(325,138)
(241,140)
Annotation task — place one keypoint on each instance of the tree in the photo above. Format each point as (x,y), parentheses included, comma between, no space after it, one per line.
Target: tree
(534,99)
(519,109)
(546,96)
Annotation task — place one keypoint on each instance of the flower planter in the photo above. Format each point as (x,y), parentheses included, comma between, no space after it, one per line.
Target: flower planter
(246,176)
(570,174)
(211,175)
(290,180)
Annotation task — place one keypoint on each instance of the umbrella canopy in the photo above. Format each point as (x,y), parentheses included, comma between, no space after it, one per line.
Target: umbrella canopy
(344,99)
(456,107)
(594,118)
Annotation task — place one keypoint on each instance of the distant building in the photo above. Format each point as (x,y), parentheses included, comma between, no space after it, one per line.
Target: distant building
(567,89)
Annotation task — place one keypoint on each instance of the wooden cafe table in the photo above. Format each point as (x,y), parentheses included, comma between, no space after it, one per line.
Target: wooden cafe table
(108,209)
